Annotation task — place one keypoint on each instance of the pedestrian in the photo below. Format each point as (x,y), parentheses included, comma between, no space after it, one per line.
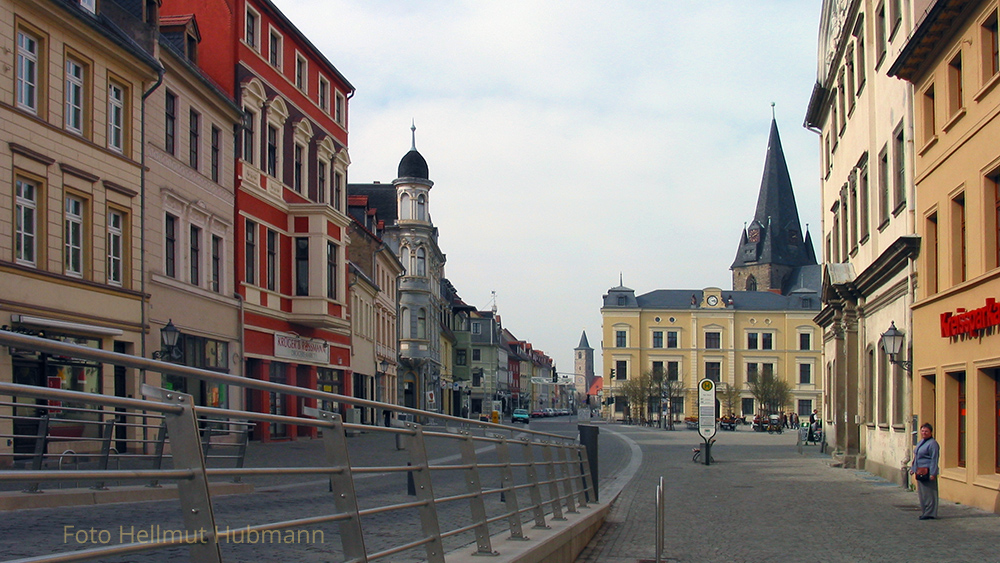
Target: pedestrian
(925,469)
(784,420)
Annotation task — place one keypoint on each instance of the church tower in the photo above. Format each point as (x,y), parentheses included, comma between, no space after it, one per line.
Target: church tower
(772,248)
(583,365)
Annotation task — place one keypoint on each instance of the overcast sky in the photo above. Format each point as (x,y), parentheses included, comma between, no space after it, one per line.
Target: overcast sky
(570,142)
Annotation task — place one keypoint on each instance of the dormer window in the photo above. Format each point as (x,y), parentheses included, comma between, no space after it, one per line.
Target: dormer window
(89,5)
(621,300)
(191,44)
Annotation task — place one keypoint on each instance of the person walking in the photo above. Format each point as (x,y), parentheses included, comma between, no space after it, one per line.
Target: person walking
(925,469)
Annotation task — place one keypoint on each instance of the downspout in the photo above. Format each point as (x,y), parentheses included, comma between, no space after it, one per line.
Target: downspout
(142,232)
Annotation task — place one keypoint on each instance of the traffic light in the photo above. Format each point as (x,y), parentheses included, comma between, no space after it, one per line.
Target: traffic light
(612,372)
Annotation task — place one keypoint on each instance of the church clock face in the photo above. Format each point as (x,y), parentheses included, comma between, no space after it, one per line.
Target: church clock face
(712,301)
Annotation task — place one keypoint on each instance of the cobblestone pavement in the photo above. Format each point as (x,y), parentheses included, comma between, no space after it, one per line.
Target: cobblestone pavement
(35,532)
(763,501)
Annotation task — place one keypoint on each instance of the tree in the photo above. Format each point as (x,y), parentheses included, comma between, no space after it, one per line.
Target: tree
(636,392)
(672,389)
(730,395)
(771,392)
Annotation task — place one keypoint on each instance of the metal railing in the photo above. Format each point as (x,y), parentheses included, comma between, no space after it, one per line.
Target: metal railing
(540,476)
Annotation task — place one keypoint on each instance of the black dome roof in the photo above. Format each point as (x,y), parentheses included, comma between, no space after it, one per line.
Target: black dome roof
(413,165)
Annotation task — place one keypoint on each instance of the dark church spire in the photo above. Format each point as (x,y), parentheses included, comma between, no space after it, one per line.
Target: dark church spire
(774,237)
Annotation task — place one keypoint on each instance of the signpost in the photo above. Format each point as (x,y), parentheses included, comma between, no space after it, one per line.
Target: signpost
(706,416)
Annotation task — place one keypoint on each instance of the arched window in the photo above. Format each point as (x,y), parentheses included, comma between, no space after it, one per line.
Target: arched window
(421,323)
(404,206)
(751,284)
(405,314)
(421,208)
(404,258)
(421,262)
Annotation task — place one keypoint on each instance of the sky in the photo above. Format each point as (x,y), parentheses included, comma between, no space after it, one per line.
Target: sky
(571,143)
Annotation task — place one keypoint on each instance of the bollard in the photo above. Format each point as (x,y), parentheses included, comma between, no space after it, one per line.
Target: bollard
(588,439)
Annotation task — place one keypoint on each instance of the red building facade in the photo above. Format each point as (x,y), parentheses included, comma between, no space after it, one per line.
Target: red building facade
(290,215)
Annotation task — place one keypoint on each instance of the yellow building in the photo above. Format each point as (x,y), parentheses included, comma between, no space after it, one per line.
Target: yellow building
(952,60)
(762,328)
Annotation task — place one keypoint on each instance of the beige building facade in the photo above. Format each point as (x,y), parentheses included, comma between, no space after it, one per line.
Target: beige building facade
(952,61)
(864,120)
(70,158)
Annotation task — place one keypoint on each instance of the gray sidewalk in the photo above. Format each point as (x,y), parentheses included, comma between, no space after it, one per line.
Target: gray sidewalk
(763,501)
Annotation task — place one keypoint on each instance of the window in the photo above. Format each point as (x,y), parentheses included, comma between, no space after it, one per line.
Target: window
(990,45)
(272,259)
(477,356)
(747,405)
(28,76)
(116,117)
(713,340)
(216,152)
(956,96)
(958,380)
(338,186)
(324,94)
(671,339)
(195,255)
(621,370)
(859,33)
(252,26)
(880,41)
(896,15)
(805,374)
(421,323)
(73,236)
(657,339)
(26,221)
(899,167)
(461,357)
(74,96)
(274,49)
(297,168)
(673,371)
(331,270)
(421,262)
(338,114)
(929,123)
(216,263)
(993,192)
(713,371)
(301,266)
(805,341)
(931,233)
(620,339)
(170,123)
(863,205)
(194,138)
(116,249)
(477,328)
(301,69)
(767,341)
(657,370)
(958,237)
(752,340)
(805,407)
(767,370)
(852,205)
(421,208)
(251,252)
(751,284)
(320,181)
(883,187)
(248,129)
(272,151)
(752,372)
(170,245)
(851,87)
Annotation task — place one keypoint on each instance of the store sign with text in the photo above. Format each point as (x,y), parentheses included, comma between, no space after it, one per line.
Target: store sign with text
(297,348)
(972,323)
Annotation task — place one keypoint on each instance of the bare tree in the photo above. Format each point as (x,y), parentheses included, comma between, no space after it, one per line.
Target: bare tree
(730,395)
(771,392)
(672,389)
(636,391)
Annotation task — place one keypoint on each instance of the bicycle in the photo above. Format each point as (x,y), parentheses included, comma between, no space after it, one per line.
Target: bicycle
(697,453)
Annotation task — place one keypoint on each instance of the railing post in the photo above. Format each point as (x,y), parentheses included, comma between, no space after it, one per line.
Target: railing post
(41,440)
(241,452)
(161,440)
(576,475)
(473,485)
(421,472)
(195,498)
(341,483)
(531,474)
(513,510)
(586,479)
(567,480)
(550,473)
(109,428)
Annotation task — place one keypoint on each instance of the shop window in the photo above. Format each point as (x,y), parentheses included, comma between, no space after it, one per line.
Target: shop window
(958,380)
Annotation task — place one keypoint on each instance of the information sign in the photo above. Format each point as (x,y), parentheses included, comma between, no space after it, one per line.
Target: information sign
(706,408)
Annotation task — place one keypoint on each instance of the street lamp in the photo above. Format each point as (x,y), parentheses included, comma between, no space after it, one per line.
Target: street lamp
(169,337)
(892,342)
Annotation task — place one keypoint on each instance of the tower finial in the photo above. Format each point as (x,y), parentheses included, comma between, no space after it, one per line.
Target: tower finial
(621,280)
(772,110)
(413,132)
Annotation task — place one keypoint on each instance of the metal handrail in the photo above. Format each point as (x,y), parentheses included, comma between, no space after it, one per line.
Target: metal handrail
(544,455)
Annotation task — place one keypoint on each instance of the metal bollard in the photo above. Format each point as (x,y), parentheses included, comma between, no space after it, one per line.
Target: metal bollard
(588,438)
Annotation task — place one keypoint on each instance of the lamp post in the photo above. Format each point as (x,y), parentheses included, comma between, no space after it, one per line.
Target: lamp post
(169,336)
(892,342)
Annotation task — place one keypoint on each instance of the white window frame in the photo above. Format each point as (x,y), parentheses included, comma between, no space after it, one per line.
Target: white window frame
(301,79)
(28,75)
(76,74)
(116,117)
(255,44)
(339,107)
(276,62)
(26,222)
(196,254)
(116,247)
(323,94)
(73,235)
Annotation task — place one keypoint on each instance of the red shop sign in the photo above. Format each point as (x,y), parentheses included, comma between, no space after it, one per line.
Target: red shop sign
(971,323)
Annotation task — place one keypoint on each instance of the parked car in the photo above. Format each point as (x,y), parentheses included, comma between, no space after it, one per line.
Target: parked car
(550,411)
(537,414)
(520,415)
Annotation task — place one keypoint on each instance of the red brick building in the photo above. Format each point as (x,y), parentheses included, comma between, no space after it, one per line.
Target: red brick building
(290,215)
